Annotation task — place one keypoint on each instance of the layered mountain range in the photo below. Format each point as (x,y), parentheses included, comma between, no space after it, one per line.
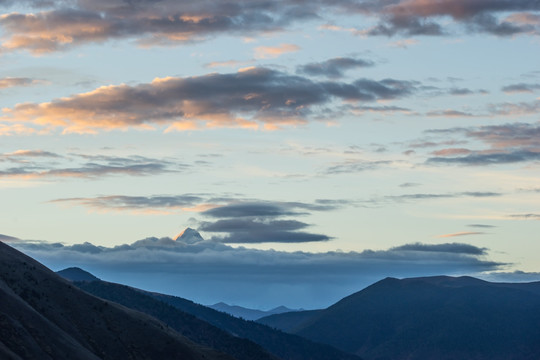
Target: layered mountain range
(75,315)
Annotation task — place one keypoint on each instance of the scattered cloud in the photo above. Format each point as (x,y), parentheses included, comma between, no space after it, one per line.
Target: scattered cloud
(354,166)
(22,155)
(508,143)
(262,222)
(229,64)
(333,68)
(427,196)
(9,82)
(482,226)
(449,113)
(145,204)
(488,159)
(452,248)
(463,233)
(409,184)
(265,52)
(404,44)
(63,24)
(420,17)
(513,277)
(525,216)
(452,152)
(515,109)
(246,98)
(521,88)
(34,164)
(253,231)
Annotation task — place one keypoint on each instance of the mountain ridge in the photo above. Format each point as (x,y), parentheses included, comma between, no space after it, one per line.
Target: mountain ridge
(428,318)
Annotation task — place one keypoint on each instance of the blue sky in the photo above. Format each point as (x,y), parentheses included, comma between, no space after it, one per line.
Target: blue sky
(357,139)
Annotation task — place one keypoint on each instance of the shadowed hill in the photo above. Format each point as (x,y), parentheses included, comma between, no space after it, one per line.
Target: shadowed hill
(429,318)
(282,345)
(186,324)
(43,316)
(76,274)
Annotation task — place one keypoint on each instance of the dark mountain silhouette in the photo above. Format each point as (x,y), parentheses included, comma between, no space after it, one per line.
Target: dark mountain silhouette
(279,344)
(76,274)
(186,324)
(428,318)
(43,316)
(288,321)
(246,313)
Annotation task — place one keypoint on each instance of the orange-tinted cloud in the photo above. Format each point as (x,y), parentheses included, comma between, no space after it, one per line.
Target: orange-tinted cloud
(246,99)
(452,152)
(463,233)
(265,52)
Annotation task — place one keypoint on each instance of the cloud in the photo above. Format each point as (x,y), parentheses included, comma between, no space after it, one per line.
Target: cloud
(256,209)
(243,99)
(427,196)
(229,63)
(64,24)
(465,91)
(23,155)
(265,52)
(262,222)
(512,277)
(515,109)
(521,88)
(508,143)
(525,216)
(409,184)
(489,159)
(355,165)
(207,271)
(451,152)
(246,231)
(404,44)
(333,68)
(92,166)
(9,82)
(452,248)
(449,113)
(483,226)
(463,233)
(148,204)
(420,17)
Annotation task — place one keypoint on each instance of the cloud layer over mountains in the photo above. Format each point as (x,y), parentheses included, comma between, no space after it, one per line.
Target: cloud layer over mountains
(206,270)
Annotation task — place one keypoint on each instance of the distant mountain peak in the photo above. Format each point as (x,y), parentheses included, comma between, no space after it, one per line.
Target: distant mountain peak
(8,238)
(189,236)
(76,274)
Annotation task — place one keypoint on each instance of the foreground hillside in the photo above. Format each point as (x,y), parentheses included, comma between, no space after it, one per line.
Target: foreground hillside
(43,316)
(428,318)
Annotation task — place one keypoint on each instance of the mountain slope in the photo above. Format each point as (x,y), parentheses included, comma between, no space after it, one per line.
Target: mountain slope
(283,345)
(431,318)
(45,317)
(186,324)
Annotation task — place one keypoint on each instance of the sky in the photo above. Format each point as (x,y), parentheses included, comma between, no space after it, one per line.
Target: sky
(316,146)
